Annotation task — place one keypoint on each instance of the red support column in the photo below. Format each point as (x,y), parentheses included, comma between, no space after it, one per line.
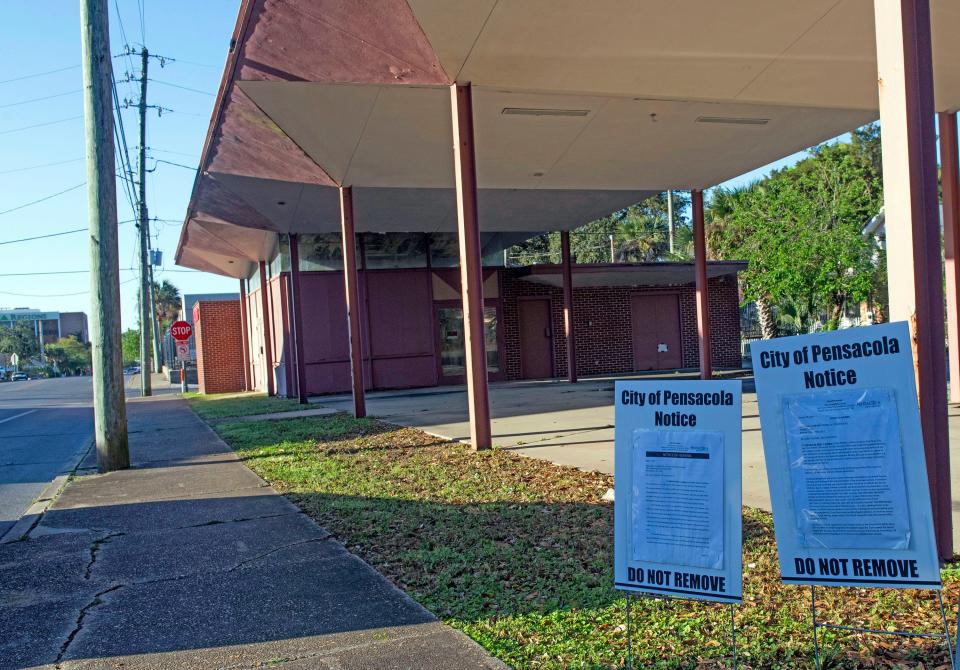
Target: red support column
(353,300)
(297,319)
(950,180)
(267,329)
(471,268)
(244,336)
(568,307)
(911,208)
(703,293)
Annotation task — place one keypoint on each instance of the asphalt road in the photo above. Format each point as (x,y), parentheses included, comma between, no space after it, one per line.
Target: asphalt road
(44,425)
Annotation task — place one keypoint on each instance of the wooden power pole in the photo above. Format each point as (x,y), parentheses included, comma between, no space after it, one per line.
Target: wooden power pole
(146,290)
(110,414)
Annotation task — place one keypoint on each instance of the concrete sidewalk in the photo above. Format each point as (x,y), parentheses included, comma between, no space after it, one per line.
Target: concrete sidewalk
(189,560)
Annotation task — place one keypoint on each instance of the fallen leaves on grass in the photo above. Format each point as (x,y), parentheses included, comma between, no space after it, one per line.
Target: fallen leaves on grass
(518,553)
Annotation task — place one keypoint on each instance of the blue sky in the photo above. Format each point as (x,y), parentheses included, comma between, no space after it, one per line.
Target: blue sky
(37,37)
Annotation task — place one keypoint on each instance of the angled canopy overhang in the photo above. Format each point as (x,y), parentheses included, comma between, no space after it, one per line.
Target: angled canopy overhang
(580,108)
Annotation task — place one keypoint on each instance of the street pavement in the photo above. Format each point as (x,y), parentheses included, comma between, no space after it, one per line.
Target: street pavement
(45,425)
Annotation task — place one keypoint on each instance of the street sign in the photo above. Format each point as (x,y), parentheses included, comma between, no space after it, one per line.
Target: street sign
(14,360)
(181,331)
(183,351)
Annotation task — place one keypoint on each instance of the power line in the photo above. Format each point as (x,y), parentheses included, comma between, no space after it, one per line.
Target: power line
(43,165)
(46,97)
(185,88)
(76,272)
(170,151)
(40,125)
(40,74)
(41,237)
(54,195)
(158,160)
(57,295)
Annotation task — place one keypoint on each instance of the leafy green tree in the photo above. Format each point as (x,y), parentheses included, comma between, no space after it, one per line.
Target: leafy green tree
(130,343)
(20,338)
(68,353)
(800,231)
(640,234)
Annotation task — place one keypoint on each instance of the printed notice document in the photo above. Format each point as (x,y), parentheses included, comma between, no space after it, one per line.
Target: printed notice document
(678,505)
(846,467)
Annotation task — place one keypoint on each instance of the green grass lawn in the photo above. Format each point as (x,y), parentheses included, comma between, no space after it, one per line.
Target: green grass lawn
(518,554)
(227,405)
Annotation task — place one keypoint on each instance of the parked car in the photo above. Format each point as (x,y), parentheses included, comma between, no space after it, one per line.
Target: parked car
(19,377)
(132,370)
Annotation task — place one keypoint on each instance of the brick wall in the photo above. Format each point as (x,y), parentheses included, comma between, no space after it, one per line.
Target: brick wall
(218,332)
(603,325)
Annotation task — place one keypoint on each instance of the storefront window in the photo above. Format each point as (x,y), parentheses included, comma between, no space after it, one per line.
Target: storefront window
(445,250)
(320,252)
(395,250)
(452,348)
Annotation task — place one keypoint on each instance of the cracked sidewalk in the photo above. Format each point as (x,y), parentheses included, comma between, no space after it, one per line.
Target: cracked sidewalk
(189,560)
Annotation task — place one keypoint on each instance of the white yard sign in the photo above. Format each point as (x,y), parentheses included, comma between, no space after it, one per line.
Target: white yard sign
(677,516)
(845,459)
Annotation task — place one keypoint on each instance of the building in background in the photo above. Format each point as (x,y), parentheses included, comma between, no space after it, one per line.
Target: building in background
(187,303)
(50,326)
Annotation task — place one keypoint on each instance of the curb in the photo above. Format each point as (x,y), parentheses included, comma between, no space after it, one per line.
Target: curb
(26,523)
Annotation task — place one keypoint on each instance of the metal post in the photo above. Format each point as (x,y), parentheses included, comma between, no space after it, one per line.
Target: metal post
(146,366)
(568,327)
(813,615)
(471,267)
(245,336)
(297,320)
(267,330)
(950,180)
(109,408)
(703,294)
(670,219)
(350,280)
(911,206)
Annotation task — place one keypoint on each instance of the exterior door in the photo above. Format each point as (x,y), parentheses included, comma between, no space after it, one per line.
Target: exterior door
(656,332)
(536,343)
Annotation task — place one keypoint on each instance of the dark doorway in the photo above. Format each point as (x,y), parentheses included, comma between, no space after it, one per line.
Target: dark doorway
(536,342)
(656,332)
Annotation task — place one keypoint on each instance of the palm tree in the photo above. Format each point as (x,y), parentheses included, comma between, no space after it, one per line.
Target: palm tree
(167,300)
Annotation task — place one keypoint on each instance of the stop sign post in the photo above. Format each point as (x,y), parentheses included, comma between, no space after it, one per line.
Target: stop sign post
(181,332)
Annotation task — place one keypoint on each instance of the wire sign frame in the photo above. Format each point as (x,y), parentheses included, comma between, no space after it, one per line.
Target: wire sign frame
(646,596)
(945,635)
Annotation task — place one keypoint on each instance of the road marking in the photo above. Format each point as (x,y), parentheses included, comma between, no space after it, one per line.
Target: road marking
(17,416)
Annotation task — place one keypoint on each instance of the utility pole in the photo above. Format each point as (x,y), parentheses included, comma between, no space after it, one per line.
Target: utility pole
(670,218)
(146,320)
(109,410)
(154,321)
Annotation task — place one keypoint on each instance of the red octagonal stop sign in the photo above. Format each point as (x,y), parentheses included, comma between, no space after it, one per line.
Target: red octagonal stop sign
(181,331)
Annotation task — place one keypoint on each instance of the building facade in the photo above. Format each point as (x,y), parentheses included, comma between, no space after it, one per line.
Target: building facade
(49,326)
(628,318)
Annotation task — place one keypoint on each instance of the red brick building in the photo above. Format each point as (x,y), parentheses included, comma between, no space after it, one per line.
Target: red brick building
(218,333)
(627,318)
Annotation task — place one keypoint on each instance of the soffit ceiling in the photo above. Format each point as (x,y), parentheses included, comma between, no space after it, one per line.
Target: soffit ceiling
(814,53)
(400,136)
(645,274)
(307,208)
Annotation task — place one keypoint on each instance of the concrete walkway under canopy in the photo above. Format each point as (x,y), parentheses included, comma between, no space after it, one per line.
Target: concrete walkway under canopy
(572,424)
